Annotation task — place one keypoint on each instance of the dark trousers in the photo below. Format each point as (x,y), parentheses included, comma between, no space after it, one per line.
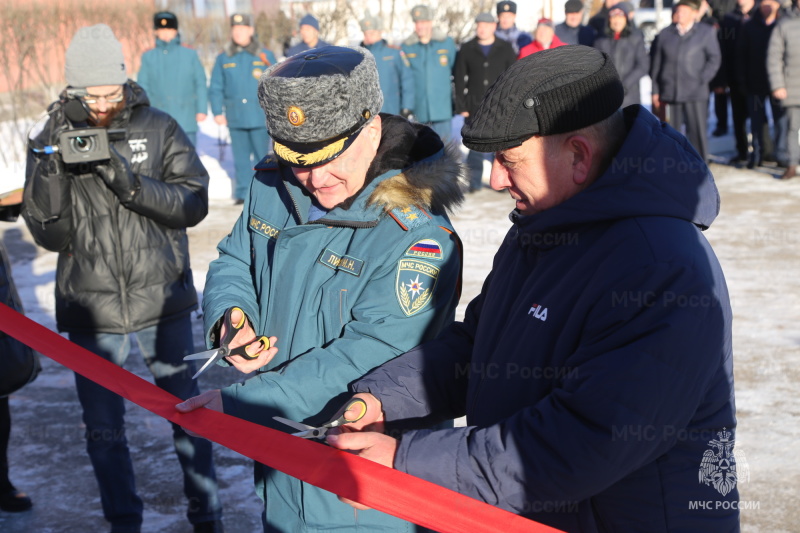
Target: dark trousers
(693,115)
(739,111)
(5,434)
(721,110)
(163,348)
(762,142)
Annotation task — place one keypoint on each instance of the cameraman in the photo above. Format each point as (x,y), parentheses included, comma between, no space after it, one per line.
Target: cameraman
(118,221)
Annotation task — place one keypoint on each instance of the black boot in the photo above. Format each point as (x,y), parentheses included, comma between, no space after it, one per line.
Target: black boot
(14,501)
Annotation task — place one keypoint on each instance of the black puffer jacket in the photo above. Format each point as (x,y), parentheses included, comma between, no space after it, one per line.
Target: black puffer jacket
(121,268)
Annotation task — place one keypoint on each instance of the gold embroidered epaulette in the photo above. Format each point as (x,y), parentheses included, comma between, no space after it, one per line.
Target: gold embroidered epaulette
(409,217)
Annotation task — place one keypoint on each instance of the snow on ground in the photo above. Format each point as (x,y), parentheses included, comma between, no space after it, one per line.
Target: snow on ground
(756,238)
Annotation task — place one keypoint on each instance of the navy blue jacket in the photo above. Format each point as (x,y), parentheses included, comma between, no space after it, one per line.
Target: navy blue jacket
(682,66)
(595,367)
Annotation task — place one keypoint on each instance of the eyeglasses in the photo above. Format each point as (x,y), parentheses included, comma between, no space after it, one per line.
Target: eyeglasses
(112,98)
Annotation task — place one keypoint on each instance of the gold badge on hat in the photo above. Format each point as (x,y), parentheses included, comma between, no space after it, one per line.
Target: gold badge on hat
(237,18)
(417,13)
(296,116)
(163,22)
(506,7)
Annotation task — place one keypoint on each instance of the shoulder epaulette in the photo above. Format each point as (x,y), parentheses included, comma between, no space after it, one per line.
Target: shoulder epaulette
(268,163)
(409,217)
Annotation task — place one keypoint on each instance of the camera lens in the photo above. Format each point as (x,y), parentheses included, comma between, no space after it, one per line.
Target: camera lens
(82,144)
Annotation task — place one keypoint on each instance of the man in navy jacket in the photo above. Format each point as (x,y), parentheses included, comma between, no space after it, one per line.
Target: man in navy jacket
(595,367)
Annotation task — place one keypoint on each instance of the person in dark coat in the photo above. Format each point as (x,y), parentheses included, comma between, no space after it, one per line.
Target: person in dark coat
(625,46)
(729,32)
(572,30)
(753,76)
(309,36)
(119,227)
(507,26)
(595,367)
(715,11)
(11,499)
(684,58)
(599,20)
(479,62)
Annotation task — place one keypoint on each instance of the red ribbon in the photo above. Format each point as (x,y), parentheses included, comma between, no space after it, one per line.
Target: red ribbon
(393,492)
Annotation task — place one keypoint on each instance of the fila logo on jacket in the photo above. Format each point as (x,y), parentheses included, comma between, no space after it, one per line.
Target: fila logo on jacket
(538,311)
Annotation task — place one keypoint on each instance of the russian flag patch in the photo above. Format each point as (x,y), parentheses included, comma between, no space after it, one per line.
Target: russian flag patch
(427,248)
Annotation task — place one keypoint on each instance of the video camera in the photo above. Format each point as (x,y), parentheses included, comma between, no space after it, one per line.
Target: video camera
(84,145)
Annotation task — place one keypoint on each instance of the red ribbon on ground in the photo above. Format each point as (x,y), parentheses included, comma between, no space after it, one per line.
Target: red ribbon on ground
(393,492)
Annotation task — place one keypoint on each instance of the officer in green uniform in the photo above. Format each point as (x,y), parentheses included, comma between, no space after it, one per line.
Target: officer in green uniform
(394,72)
(344,254)
(431,54)
(173,77)
(234,82)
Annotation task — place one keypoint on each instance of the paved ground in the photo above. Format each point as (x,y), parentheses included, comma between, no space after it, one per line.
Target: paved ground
(756,238)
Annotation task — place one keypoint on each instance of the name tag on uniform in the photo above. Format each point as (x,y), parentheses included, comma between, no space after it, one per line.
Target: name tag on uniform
(228,65)
(345,263)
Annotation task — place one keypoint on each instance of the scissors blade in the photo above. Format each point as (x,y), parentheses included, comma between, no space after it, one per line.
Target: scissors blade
(201,355)
(312,433)
(293,424)
(219,355)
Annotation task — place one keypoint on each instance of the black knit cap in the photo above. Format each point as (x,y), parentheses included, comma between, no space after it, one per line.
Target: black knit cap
(553,91)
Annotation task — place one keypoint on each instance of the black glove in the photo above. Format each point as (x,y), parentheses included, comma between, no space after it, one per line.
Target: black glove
(407,114)
(118,176)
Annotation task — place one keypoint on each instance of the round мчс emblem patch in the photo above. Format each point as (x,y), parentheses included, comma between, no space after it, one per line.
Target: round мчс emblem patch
(296,116)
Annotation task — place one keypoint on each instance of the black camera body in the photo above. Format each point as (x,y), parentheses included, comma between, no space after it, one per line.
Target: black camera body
(84,146)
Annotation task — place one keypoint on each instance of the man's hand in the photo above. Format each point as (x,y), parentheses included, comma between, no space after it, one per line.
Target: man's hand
(118,176)
(221,120)
(656,101)
(200,117)
(780,94)
(242,338)
(211,399)
(376,447)
(372,419)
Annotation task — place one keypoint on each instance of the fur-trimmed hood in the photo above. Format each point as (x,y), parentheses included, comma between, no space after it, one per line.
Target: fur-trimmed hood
(432,173)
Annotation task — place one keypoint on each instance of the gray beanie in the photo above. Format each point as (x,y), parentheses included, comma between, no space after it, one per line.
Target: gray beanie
(94,58)
(317,101)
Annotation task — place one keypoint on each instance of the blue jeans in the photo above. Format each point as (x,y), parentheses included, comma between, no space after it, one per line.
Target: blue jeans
(249,146)
(163,348)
